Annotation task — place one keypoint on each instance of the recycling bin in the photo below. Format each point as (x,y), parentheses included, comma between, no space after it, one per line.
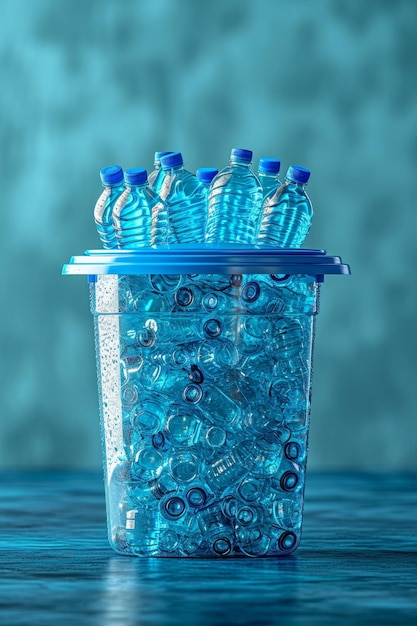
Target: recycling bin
(204,362)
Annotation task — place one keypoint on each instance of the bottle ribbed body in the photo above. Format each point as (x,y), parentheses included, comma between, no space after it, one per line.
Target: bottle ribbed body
(234,204)
(286,217)
(140,218)
(103,215)
(185,199)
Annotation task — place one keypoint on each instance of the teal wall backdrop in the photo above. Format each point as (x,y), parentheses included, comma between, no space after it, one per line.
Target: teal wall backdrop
(329,84)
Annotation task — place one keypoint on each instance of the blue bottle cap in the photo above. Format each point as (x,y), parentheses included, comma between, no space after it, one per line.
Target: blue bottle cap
(241,154)
(298,174)
(269,166)
(136,176)
(171,160)
(159,155)
(111,175)
(206,174)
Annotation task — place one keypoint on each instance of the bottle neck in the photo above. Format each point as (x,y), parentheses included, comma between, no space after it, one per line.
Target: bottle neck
(176,168)
(113,185)
(294,183)
(135,187)
(237,161)
(273,175)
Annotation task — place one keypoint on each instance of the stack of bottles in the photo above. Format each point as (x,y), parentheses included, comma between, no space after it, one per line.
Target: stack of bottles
(232,206)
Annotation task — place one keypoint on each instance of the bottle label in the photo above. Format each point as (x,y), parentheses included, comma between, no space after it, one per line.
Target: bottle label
(101,204)
(166,186)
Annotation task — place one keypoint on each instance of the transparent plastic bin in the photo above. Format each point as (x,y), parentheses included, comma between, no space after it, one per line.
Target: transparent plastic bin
(204,360)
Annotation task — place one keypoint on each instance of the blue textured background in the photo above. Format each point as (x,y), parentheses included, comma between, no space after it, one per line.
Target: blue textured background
(329,84)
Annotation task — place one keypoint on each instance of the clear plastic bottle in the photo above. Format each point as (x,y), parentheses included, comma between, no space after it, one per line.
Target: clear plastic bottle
(139,215)
(112,179)
(287,212)
(235,200)
(268,171)
(157,168)
(185,199)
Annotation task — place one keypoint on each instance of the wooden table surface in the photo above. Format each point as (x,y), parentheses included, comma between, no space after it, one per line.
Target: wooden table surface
(357,562)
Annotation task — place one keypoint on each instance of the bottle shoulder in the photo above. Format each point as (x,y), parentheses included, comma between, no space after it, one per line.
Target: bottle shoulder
(141,199)
(232,176)
(179,185)
(287,195)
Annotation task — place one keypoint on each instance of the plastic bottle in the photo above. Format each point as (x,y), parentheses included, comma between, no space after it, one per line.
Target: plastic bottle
(287,212)
(185,199)
(229,467)
(268,171)
(112,179)
(288,348)
(139,216)
(212,403)
(157,168)
(235,200)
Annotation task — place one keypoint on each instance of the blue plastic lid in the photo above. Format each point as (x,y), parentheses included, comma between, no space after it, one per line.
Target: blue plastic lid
(207,259)
(269,166)
(298,174)
(241,154)
(136,176)
(159,155)
(111,175)
(206,174)
(173,159)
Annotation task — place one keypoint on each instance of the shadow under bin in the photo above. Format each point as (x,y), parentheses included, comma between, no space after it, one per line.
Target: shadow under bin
(204,363)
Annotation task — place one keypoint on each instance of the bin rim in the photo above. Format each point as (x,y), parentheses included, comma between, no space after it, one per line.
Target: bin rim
(206,259)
